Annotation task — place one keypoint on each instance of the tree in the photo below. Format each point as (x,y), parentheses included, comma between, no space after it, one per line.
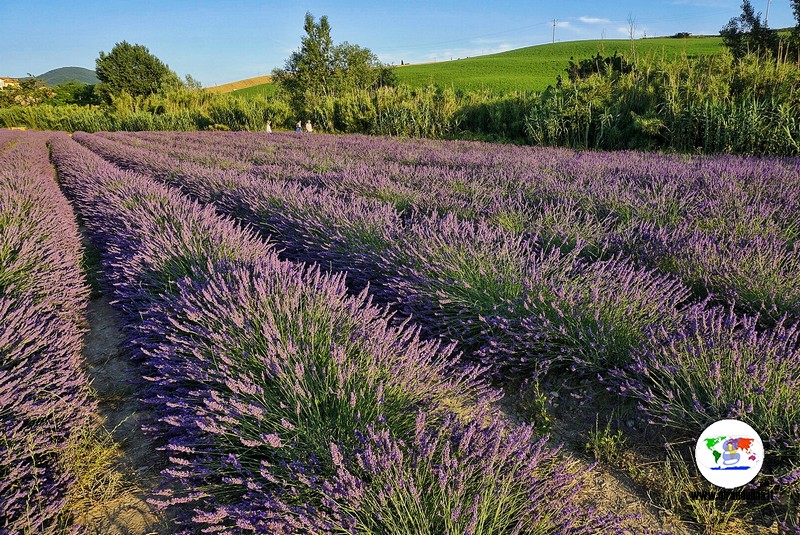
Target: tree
(132,69)
(319,69)
(796,10)
(307,71)
(73,92)
(746,33)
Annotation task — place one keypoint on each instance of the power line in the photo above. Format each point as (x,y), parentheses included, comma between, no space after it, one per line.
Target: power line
(553,22)
(465,39)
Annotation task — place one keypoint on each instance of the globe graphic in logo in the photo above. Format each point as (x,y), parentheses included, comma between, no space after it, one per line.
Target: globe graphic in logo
(729,453)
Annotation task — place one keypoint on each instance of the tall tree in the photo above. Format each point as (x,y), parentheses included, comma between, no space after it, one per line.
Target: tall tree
(747,34)
(133,69)
(308,71)
(319,69)
(354,67)
(796,10)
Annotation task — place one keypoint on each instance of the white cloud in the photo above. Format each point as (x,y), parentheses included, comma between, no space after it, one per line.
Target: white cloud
(563,24)
(593,20)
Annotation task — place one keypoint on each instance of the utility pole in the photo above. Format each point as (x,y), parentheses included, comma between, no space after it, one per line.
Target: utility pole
(766,17)
(554,30)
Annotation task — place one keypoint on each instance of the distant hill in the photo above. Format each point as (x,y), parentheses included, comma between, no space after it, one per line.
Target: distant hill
(525,69)
(67,74)
(241,84)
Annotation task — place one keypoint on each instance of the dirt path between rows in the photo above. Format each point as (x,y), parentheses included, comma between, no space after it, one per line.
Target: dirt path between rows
(115,382)
(607,490)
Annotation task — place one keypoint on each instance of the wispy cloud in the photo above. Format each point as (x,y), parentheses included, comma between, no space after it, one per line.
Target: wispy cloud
(706,3)
(593,20)
(447,54)
(487,40)
(638,31)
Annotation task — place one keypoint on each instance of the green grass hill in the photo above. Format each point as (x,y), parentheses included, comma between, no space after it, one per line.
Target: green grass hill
(532,68)
(69,74)
(262,90)
(241,84)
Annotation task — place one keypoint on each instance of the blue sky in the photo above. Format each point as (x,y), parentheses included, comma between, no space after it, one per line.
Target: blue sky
(219,41)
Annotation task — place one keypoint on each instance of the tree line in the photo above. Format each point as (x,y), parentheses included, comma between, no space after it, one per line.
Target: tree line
(745,100)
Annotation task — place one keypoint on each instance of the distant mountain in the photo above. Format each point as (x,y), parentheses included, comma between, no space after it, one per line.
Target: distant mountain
(67,74)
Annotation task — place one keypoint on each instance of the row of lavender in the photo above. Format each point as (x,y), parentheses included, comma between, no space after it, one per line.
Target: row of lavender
(287,405)
(727,225)
(526,307)
(44,394)
(658,188)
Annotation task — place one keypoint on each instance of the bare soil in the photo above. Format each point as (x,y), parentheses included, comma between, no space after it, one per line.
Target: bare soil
(115,381)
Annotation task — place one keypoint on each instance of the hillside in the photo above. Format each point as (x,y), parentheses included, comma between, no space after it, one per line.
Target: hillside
(67,74)
(525,69)
(241,84)
(262,90)
(536,67)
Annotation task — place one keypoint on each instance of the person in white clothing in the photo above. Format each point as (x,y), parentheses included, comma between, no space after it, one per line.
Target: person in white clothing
(308,127)
(269,127)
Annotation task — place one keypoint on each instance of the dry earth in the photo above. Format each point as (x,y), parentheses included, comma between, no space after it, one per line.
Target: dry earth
(240,84)
(114,380)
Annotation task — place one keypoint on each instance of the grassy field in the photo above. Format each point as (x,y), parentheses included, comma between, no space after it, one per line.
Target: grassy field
(526,69)
(536,67)
(261,90)
(240,85)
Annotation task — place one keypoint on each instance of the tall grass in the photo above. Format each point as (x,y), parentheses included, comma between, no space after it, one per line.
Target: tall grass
(180,111)
(708,104)
(711,104)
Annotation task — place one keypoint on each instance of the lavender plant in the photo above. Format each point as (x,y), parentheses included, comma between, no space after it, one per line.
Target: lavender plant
(597,318)
(44,393)
(479,253)
(266,376)
(460,479)
(720,365)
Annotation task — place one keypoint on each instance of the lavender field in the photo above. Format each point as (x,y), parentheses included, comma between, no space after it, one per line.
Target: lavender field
(344,334)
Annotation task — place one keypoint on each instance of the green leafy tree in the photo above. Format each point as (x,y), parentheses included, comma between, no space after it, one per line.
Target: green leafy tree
(320,69)
(131,69)
(796,10)
(307,72)
(747,34)
(73,92)
(354,67)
